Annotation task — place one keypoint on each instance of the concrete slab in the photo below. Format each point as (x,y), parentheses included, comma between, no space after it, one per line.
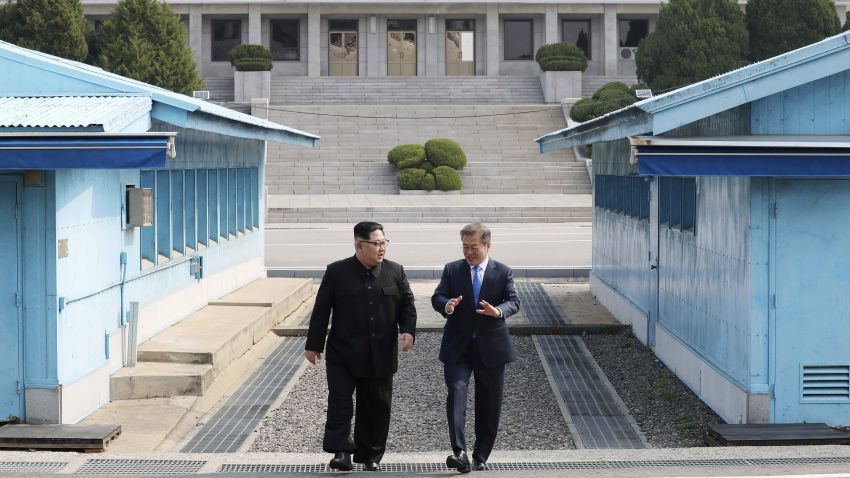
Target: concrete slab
(58,437)
(266,292)
(144,423)
(152,379)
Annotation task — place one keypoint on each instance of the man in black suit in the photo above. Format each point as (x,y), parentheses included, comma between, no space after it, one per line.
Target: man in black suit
(372,305)
(475,295)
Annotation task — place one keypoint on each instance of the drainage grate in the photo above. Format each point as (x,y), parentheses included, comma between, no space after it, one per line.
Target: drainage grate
(542,466)
(242,412)
(536,304)
(598,419)
(139,467)
(31,466)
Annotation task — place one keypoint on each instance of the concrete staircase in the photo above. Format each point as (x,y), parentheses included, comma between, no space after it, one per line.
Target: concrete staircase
(185,358)
(420,90)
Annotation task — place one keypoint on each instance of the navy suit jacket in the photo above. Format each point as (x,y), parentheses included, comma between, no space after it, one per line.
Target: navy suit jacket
(492,338)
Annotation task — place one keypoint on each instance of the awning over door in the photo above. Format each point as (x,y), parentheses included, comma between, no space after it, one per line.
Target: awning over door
(50,151)
(749,156)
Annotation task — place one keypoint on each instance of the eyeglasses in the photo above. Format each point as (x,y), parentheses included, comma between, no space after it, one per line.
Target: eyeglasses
(379,244)
(473,249)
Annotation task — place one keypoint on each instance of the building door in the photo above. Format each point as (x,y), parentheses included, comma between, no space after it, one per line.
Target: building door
(401,53)
(342,53)
(460,47)
(10,294)
(810,349)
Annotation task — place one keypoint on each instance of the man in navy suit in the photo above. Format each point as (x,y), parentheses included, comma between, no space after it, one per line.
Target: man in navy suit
(476,294)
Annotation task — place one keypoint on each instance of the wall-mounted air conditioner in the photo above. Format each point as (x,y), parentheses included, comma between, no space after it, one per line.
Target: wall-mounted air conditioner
(628,53)
(201,94)
(139,207)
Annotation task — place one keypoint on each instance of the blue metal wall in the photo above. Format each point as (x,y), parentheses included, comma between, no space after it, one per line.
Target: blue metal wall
(820,107)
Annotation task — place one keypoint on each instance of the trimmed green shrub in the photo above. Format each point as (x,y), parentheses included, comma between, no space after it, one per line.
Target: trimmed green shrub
(447,179)
(428,182)
(445,152)
(410,178)
(779,26)
(561,57)
(614,86)
(56,27)
(411,162)
(693,40)
(427,165)
(611,103)
(582,110)
(251,58)
(404,151)
(146,40)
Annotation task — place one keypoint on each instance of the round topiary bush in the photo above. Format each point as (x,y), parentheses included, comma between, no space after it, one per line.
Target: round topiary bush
(611,102)
(614,86)
(447,179)
(427,165)
(410,178)
(405,151)
(251,58)
(429,183)
(582,110)
(445,152)
(411,162)
(561,57)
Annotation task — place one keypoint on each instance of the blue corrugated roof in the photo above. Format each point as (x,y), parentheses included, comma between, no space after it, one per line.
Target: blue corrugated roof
(99,113)
(688,104)
(258,128)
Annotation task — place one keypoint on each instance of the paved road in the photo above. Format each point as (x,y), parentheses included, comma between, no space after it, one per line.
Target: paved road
(432,245)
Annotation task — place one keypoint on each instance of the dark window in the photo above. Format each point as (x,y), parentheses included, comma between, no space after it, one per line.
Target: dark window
(644,199)
(226,34)
(676,202)
(285,40)
(577,32)
(401,25)
(664,201)
(343,25)
(519,40)
(631,32)
(460,25)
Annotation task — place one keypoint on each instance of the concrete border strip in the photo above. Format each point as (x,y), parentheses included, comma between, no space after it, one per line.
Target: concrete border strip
(565,412)
(576,273)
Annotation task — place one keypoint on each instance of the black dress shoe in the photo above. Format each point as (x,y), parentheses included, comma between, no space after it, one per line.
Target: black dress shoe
(341,461)
(371,466)
(459,461)
(478,465)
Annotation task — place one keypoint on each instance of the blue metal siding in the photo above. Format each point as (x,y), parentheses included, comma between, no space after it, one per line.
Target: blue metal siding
(620,248)
(704,278)
(820,107)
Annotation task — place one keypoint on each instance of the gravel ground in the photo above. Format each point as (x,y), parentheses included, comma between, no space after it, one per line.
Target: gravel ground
(667,411)
(531,419)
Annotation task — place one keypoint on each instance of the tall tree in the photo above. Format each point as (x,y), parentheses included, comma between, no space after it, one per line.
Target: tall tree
(145,40)
(693,40)
(779,26)
(57,27)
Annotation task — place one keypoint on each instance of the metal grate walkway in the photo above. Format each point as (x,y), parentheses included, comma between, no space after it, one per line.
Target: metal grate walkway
(595,413)
(243,411)
(536,304)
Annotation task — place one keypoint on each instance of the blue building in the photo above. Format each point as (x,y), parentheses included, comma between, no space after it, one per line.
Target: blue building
(113,191)
(720,232)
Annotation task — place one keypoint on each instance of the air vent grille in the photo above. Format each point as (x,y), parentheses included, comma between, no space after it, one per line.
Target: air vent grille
(825,383)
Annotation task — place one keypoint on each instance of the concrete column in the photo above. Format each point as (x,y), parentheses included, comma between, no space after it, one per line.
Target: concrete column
(314,41)
(431,64)
(493,55)
(255,25)
(610,38)
(551,24)
(196,35)
(841,11)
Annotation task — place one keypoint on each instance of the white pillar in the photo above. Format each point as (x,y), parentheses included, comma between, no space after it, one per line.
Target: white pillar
(493,55)
(196,35)
(255,26)
(611,40)
(314,40)
(841,11)
(551,24)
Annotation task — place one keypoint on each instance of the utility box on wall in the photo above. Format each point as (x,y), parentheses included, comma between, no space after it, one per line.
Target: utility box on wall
(139,207)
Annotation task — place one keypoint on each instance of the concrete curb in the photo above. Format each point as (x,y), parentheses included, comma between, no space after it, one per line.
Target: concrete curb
(578,274)
(519,329)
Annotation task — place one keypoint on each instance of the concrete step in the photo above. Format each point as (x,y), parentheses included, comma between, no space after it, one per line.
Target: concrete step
(153,380)
(186,357)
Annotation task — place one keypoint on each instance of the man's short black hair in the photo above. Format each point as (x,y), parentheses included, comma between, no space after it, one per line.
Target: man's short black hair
(365,229)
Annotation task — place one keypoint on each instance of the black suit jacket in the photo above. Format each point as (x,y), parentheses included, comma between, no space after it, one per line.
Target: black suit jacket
(497,288)
(368,314)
